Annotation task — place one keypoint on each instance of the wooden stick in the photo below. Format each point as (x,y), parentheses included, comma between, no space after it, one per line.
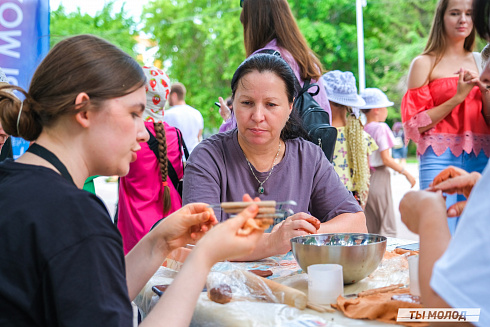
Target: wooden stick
(379,290)
(320,308)
(285,294)
(240,209)
(243,205)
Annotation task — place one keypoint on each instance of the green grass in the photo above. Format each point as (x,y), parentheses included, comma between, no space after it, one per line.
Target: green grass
(412,160)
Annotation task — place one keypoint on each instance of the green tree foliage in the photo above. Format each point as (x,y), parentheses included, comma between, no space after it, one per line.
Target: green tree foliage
(202,42)
(115,27)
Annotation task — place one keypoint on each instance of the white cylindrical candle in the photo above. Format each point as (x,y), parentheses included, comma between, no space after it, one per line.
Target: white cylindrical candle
(325,283)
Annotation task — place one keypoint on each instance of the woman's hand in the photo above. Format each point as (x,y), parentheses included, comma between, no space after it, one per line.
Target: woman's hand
(455,180)
(224,111)
(417,204)
(299,224)
(185,226)
(224,242)
(473,78)
(409,178)
(465,85)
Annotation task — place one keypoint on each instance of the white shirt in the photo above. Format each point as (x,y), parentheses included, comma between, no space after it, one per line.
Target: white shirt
(188,120)
(462,275)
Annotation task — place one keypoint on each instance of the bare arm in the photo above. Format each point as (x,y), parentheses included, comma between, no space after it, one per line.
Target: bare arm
(424,213)
(418,76)
(176,306)
(345,223)
(180,228)
(278,241)
(388,161)
(199,135)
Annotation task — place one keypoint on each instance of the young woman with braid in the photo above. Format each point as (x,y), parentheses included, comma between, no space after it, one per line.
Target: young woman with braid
(353,144)
(146,193)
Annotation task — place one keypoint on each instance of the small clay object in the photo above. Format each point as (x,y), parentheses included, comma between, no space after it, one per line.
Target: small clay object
(261,273)
(221,294)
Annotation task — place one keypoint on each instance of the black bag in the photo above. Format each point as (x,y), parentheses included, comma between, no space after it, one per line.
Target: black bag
(316,120)
(172,173)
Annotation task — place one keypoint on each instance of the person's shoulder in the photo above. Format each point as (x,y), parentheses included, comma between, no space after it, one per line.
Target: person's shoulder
(215,144)
(420,68)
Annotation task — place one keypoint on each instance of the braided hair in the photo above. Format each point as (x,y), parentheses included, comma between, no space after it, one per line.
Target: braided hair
(357,155)
(163,160)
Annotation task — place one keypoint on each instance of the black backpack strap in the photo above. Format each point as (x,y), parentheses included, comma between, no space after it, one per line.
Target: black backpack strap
(182,143)
(308,85)
(172,174)
(153,143)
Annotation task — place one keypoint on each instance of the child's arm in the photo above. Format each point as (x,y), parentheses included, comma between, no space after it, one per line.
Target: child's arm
(389,162)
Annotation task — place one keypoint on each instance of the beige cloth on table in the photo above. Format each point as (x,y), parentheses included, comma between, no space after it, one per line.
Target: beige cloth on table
(380,215)
(378,306)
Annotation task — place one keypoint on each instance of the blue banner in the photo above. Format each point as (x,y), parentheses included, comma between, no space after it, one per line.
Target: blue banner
(24,42)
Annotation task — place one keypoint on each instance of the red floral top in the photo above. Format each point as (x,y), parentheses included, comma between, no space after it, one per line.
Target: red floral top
(464,129)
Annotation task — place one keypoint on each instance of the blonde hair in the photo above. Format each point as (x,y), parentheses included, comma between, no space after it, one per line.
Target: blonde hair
(357,155)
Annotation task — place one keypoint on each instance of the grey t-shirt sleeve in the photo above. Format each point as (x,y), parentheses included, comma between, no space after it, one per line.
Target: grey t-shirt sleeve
(329,196)
(201,177)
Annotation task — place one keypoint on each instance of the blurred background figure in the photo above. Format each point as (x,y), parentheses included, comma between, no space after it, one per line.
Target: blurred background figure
(400,150)
(187,119)
(380,214)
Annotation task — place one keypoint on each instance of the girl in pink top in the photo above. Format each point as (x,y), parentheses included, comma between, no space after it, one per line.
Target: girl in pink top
(146,193)
(443,110)
(380,214)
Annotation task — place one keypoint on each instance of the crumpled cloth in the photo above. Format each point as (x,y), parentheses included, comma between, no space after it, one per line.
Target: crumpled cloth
(378,306)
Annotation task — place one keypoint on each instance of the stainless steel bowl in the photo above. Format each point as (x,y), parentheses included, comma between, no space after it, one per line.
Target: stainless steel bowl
(359,254)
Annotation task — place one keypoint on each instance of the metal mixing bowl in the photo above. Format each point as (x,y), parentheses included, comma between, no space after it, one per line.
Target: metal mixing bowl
(359,254)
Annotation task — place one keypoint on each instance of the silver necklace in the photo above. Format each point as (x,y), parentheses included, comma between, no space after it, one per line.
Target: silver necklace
(261,189)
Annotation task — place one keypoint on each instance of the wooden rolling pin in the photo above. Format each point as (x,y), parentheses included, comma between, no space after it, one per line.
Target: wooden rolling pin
(284,294)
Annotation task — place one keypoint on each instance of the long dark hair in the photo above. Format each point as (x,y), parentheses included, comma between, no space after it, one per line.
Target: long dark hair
(265,20)
(277,65)
(481,18)
(83,63)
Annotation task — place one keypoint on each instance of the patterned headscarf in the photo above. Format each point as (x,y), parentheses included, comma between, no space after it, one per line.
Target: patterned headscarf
(157,91)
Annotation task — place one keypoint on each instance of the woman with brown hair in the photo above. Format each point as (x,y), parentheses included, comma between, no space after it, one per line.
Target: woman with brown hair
(61,258)
(270,25)
(147,193)
(443,110)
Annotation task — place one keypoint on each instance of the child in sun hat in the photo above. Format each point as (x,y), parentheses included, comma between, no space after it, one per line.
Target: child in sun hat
(146,193)
(353,145)
(380,215)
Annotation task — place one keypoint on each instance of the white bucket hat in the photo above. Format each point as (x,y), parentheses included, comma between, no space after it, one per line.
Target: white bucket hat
(341,88)
(375,98)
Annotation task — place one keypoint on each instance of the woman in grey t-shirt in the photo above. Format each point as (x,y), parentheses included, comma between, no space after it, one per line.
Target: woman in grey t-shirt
(266,157)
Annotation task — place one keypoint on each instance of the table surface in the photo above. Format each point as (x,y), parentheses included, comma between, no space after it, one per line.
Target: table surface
(285,271)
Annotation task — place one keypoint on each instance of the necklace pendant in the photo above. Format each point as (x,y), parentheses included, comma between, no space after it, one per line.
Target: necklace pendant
(261,190)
